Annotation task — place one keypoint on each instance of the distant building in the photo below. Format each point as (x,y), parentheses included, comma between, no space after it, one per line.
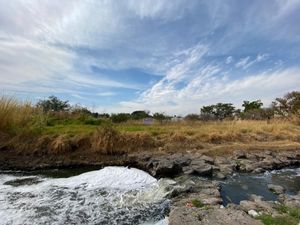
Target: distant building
(148,121)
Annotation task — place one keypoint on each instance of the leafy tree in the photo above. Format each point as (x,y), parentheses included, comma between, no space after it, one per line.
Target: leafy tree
(53,104)
(219,111)
(160,117)
(207,112)
(137,115)
(288,105)
(120,117)
(224,110)
(248,106)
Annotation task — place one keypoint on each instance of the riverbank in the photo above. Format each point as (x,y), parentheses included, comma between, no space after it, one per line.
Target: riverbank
(78,145)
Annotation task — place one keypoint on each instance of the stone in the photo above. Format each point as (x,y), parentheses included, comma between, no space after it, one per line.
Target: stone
(220,175)
(277,189)
(207,159)
(228,216)
(166,167)
(187,170)
(253,213)
(201,168)
(240,155)
(212,216)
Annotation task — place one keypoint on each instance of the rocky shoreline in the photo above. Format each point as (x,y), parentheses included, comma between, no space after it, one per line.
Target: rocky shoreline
(196,203)
(216,167)
(199,202)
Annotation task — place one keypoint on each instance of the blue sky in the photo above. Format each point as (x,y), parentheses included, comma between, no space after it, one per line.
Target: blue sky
(158,55)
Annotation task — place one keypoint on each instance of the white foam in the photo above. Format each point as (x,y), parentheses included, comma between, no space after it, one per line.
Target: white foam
(109,195)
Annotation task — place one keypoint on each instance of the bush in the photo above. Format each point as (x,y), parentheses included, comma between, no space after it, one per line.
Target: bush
(192,117)
(120,117)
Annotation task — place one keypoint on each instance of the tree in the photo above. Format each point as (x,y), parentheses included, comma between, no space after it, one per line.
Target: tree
(120,117)
(288,105)
(53,104)
(219,111)
(248,106)
(207,112)
(138,115)
(160,117)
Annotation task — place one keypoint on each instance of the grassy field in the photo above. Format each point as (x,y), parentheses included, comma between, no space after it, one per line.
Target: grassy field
(23,119)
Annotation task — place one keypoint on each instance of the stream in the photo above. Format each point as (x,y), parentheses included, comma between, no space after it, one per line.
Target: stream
(113,195)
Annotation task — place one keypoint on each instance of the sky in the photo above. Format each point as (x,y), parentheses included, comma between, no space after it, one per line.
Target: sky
(157,55)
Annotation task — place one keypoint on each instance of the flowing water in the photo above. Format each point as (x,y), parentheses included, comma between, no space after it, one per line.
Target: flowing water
(113,195)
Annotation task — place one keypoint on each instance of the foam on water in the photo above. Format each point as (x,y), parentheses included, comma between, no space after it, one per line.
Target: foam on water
(113,195)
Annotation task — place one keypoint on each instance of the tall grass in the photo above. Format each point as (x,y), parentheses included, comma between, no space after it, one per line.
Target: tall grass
(16,115)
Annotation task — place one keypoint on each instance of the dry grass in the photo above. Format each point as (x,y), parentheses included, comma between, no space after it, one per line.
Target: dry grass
(17,118)
(15,114)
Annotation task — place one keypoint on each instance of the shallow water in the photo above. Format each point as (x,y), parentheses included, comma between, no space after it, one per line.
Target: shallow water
(240,186)
(113,195)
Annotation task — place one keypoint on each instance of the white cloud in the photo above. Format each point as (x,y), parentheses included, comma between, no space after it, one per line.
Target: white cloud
(229,60)
(209,88)
(245,63)
(33,67)
(106,94)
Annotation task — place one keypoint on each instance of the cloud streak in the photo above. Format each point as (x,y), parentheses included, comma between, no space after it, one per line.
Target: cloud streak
(155,54)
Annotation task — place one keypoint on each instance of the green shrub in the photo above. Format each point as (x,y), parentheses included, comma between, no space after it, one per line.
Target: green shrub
(197,203)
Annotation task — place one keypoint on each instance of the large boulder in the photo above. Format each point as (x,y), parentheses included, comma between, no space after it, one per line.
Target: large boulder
(211,216)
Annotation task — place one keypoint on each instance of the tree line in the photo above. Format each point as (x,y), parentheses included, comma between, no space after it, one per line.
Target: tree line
(285,106)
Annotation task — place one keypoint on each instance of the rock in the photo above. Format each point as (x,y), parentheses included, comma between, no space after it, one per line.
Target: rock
(258,170)
(292,201)
(253,213)
(240,155)
(166,167)
(183,215)
(212,216)
(256,203)
(226,169)
(181,159)
(276,189)
(201,168)
(220,175)
(207,159)
(228,216)
(187,170)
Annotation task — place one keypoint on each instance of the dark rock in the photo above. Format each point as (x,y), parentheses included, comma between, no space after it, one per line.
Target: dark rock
(166,167)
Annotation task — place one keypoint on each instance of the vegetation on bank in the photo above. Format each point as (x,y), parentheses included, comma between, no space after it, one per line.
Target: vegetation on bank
(216,126)
(287,216)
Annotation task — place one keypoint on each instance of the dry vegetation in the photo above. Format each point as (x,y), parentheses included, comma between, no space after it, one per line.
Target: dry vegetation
(24,128)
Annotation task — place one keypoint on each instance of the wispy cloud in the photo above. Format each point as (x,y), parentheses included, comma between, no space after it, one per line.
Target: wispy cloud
(246,62)
(183,54)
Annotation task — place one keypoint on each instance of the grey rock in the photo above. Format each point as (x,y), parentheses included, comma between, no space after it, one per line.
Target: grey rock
(213,216)
(277,189)
(207,159)
(201,168)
